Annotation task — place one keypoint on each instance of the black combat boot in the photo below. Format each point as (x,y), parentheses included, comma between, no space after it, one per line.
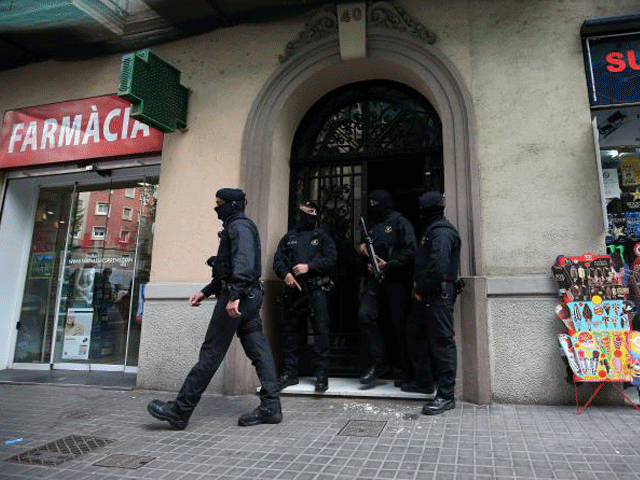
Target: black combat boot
(398,382)
(262,414)
(322,382)
(371,375)
(169,412)
(287,379)
(438,405)
(415,387)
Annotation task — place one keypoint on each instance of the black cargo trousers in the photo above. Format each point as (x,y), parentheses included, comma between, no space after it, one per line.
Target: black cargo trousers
(431,344)
(221,329)
(298,307)
(397,298)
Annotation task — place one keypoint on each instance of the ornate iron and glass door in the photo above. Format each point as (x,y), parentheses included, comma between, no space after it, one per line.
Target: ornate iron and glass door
(361,137)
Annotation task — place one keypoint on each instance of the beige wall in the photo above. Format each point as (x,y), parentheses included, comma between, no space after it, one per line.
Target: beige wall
(534,136)
(51,82)
(224,70)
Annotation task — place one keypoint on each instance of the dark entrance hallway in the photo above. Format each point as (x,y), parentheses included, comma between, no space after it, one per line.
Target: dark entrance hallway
(361,137)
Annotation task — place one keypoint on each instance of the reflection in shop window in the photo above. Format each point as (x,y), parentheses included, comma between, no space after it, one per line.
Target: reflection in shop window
(98,233)
(78,220)
(102,208)
(127,213)
(124,236)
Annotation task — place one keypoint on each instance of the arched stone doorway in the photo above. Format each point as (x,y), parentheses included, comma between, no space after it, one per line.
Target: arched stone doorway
(316,69)
(361,137)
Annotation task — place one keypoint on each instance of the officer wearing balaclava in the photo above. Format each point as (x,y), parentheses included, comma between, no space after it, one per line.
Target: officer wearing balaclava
(304,259)
(394,243)
(237,269)
(430,333)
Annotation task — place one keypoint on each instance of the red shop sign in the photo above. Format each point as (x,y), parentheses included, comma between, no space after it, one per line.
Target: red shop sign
(84,129)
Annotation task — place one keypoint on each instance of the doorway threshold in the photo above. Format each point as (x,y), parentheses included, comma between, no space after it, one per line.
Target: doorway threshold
(351,387)
(70,378)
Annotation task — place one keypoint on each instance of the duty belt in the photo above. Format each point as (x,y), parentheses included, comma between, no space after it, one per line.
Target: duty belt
(458,286)
(324,283)
(226,286)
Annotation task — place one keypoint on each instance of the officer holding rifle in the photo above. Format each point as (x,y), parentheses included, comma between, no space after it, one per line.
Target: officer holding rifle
(304,259)
(388,285)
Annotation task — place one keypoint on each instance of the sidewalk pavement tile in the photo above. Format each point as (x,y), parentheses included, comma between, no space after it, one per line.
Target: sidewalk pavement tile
(475,442)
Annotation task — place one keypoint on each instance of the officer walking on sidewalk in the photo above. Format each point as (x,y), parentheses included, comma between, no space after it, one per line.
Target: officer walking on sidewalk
(430,333)
(305,257)
(236,283)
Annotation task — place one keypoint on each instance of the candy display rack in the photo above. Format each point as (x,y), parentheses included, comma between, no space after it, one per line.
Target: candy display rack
(599,345)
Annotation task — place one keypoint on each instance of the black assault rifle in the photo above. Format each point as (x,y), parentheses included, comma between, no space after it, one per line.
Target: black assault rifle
(378,275)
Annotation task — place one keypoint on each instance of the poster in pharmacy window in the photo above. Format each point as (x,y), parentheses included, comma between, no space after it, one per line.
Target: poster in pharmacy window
(77,334)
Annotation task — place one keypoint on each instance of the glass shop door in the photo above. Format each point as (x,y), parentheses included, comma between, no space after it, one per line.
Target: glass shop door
(90,260)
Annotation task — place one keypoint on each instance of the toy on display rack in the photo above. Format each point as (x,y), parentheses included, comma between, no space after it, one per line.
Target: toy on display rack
(634,358)
(599,345)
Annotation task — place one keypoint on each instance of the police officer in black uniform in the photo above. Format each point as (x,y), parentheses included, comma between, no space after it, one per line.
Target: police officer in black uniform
(394,243)
(236,283)
(430,333)
(305,258)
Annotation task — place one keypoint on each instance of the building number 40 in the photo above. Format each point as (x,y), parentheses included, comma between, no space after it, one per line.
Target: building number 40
(349,14)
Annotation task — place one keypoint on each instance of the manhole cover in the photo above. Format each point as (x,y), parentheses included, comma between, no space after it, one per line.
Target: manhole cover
(121,460)
(59,451)
(362,428)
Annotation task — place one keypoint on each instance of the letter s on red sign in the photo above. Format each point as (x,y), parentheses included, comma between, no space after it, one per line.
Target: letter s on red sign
(616,62)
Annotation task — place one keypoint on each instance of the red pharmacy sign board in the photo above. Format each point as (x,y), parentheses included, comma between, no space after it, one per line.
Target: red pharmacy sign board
(98,127)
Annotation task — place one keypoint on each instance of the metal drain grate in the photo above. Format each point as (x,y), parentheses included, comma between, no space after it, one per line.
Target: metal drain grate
(120,460)
(59,451)
(362,428)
